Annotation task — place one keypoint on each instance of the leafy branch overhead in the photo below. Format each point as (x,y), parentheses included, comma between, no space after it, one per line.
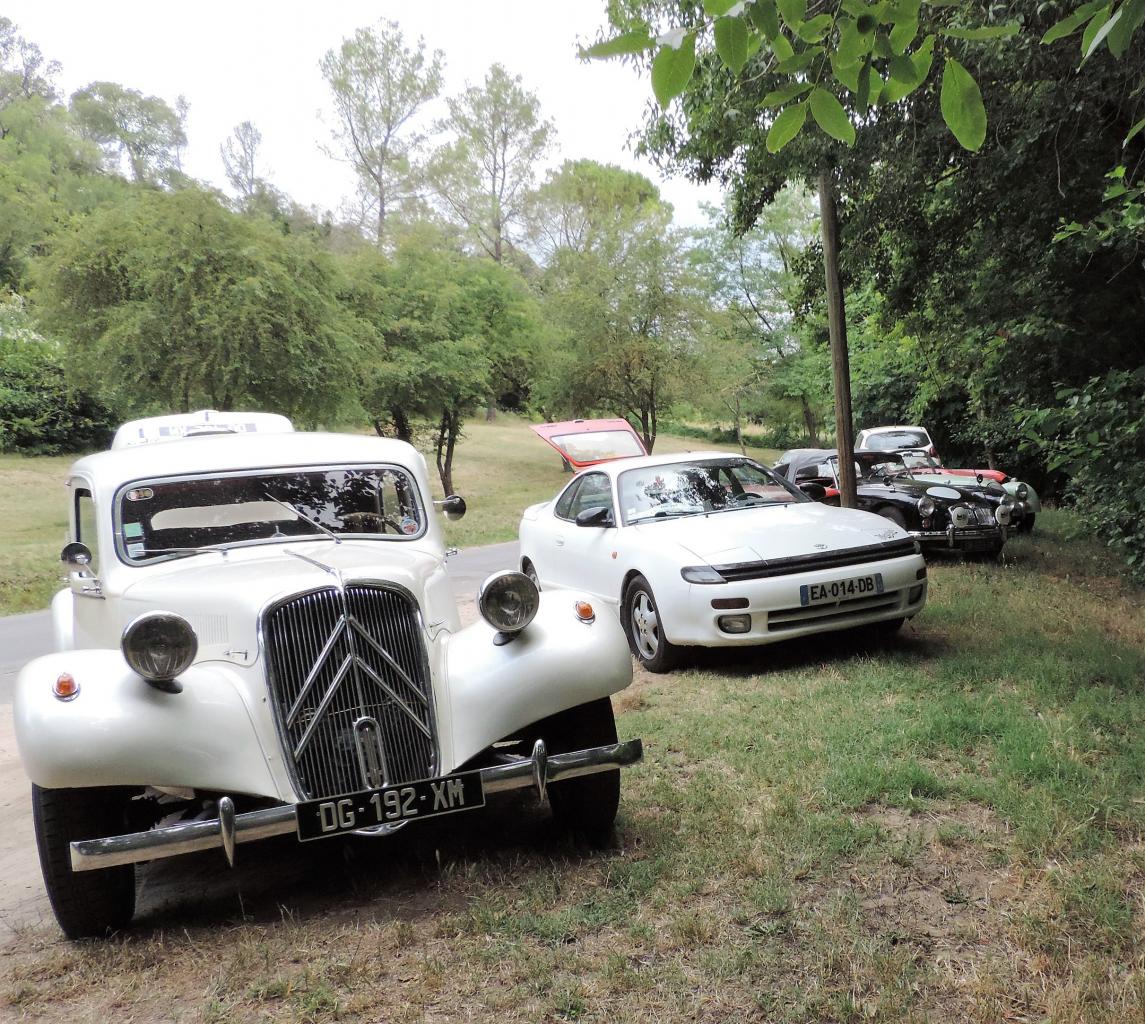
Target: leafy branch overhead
(840,58)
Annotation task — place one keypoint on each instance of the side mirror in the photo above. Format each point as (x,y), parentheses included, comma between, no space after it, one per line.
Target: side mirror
(77,557)
(452,507)
(598,515)
(888,480)
(816,492)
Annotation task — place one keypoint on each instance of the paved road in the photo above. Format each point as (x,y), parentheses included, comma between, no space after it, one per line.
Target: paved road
(24,637)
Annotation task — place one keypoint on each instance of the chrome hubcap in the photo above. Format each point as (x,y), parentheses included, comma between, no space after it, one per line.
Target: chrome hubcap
(645,626)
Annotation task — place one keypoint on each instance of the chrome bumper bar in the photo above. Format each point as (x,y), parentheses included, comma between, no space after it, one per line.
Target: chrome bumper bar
(952,536)
(229,829)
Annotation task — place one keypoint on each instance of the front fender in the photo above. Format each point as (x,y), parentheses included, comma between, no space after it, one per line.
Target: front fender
(120,731)
(557,662)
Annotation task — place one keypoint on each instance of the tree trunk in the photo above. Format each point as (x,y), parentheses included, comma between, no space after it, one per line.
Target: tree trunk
(379,426)
(401,422)
(490,411)
(837,323)
(810,424)
(447,433)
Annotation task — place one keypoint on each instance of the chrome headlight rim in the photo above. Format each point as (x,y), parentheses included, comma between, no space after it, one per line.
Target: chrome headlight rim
(145,632)
(927,506)
(515,585)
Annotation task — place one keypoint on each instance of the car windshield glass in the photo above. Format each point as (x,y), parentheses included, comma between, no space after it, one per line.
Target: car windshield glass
(598,445)
(892,440)
(878,467)
(696,488)
(167,518)
(920,461)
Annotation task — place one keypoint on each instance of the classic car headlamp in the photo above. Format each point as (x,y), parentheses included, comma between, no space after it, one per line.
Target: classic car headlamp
(1022,491)
(701,574)
(926,506)
(159,646)
(1002,514)
(508,601)
(960,516)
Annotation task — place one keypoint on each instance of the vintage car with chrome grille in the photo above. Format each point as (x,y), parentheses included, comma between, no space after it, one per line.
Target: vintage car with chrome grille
(708,549)
(258,637)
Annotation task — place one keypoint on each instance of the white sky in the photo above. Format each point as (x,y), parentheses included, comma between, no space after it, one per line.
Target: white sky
(258,61)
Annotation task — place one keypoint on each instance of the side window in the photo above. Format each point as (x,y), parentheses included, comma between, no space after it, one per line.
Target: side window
(564,502)
(594,492)
(85,525)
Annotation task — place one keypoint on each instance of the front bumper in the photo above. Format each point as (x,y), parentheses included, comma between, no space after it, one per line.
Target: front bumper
(980,538)
(229,829)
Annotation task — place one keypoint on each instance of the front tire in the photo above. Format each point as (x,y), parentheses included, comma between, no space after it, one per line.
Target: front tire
(585,806)
(1027,524)
(644,630)
(86,903)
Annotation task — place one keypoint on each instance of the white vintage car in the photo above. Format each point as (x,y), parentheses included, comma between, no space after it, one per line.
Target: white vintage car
(711,549)
(258,637)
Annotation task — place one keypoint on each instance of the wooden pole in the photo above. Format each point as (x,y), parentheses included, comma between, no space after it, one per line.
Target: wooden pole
(837,325)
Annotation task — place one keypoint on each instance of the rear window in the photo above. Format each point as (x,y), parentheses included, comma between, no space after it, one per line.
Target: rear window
(893,440)
(598,445)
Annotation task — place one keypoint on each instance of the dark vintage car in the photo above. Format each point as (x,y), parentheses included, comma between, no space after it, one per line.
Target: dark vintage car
(942,518)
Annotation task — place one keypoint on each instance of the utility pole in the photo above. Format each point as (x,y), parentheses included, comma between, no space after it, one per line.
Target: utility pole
(837,326)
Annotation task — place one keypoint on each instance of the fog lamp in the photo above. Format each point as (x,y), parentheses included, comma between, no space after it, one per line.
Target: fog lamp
(914,595)
(160,646)
(508,601)
(1002,515)
(960,516)
(734,623)
(65,687)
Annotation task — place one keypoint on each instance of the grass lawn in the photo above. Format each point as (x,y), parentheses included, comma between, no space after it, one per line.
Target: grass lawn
(948,828)
(499,468)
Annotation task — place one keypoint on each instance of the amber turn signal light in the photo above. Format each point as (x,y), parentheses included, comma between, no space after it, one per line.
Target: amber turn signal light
(65,687)
(584,611)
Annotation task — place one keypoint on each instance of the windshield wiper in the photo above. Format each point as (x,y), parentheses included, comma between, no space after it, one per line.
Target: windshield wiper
(221,548)
(302,518)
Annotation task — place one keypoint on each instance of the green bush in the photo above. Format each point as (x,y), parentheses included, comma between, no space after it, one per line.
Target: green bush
(40,412)
(1097,437)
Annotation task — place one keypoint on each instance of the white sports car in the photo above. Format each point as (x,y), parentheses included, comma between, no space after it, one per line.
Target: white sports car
(711,549)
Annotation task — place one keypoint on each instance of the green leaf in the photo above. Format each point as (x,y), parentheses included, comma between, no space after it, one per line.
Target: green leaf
(814,30)
(731,42)
(962,107)
(853,47)
(782,48)
(718,8)
(847,74)
(672,70)
(1132,15)
(983,31)
(793,11)
(863,93)
(1099,36)
(904,81)
(800,61)
(786,126)
(1069,25)
(630,42)
(754,42)
(1094,26)
(765,18)
(902,35)
(778,97)
(831,117)
(1135,130)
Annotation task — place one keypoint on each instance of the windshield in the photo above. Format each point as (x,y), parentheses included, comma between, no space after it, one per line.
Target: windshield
(893,440)
(158,519)
(598,445)
(876,467)
(920,461)
(696,488)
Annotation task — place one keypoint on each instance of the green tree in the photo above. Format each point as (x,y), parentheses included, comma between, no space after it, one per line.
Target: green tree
(23,71)
(171,301)
(485,174)
(144,130)
(379,85)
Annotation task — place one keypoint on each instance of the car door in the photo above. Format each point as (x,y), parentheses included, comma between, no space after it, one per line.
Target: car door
(583,554)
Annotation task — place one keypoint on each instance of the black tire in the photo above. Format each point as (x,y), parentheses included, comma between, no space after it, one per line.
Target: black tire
(87,904)
(585,806)
(894,515)
(641,617)
(530,570)
(1027,523)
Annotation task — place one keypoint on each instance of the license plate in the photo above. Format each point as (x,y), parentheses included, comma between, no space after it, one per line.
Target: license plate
(840,590)
(318,819)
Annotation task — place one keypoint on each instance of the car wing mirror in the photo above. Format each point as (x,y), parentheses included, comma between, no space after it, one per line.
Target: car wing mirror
(816,492)
(452,507)
(598,515)
(77,557)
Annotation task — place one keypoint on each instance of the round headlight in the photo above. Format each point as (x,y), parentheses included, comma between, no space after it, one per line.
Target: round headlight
(508,601)
(159,645)
(1022,492)
(926,507)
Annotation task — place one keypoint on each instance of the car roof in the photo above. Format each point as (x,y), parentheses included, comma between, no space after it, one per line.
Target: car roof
(235,452)
(888,430)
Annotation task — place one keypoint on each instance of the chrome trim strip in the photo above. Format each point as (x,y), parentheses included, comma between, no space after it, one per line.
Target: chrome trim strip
(192,836)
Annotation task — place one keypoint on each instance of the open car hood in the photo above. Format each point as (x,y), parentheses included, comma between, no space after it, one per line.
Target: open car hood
(589,442)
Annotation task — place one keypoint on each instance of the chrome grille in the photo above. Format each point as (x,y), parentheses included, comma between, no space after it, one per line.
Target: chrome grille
(350,685)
